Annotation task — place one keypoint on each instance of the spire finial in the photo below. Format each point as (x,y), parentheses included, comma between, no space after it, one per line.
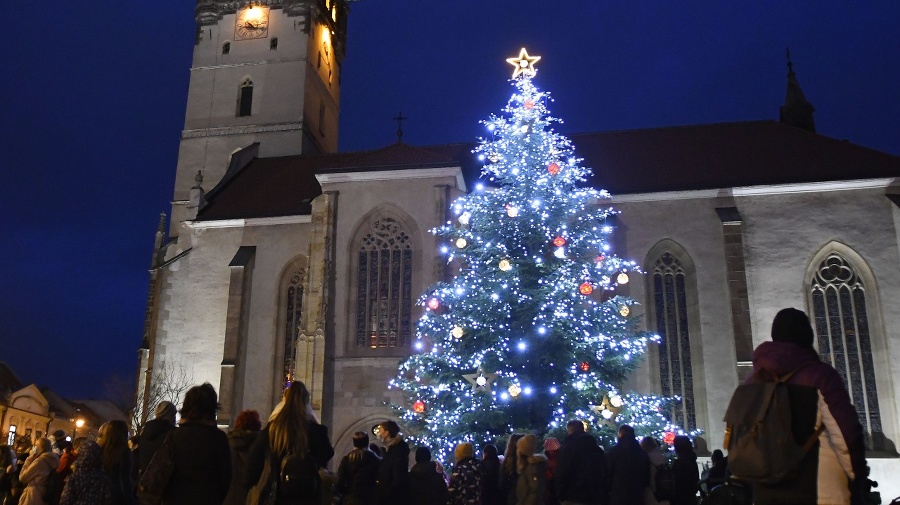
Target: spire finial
(399,119)
(790,63)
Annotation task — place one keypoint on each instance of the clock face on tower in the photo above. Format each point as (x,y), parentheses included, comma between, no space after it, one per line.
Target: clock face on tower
(252,23)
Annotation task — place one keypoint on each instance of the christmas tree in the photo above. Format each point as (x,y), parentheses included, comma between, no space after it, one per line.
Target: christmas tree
(531,332)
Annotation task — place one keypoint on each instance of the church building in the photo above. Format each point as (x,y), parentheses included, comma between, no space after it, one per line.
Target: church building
(286,259)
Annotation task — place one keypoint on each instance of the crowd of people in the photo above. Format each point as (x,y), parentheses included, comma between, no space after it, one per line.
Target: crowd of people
(284,460)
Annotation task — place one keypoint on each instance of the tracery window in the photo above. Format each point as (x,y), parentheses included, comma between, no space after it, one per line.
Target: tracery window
(670,303)
(292,306)
(841,323)
(384,287)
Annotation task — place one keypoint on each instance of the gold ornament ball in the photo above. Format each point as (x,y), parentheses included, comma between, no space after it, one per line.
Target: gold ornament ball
(624,310)
(505,265)
(457,332)
(514,390)
(622,278)
(512,211)
(461,242)
(464,218)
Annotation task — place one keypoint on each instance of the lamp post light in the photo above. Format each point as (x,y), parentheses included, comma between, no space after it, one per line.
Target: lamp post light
(78,424)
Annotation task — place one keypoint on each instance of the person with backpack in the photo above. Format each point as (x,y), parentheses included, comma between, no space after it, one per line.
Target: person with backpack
(246,428)
(393,474)
(627,469)
(297,447)
(662,480)
(580,476)
(358,473)
(154,432)
(37,471)
(826,464)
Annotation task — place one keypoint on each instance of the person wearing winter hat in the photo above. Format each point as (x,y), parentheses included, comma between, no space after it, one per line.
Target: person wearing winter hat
(551,447)
(154,432)
(465,480)
(835,468)
(532,469)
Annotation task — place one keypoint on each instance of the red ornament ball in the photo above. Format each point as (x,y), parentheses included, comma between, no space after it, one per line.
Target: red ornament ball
(669,438)
(586,288)
(559,241)
(434,304)
(529,104)
(419,407)
(584,366)
(553,168)
(599,258)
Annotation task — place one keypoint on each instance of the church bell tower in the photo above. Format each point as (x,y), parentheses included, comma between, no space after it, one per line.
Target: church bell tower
(265,71)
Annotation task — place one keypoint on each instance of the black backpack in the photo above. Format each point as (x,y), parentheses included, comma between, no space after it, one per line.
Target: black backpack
(759,436)
(664,483)
(299,477)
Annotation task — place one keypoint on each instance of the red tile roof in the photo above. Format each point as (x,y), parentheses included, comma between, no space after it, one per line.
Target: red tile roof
(683,158)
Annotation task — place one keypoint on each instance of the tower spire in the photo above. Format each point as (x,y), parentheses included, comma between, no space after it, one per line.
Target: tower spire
(796,111)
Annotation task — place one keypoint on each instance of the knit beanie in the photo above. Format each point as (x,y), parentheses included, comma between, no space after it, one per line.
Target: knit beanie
(165,410)
(551,444)
(463,451)
(792,325)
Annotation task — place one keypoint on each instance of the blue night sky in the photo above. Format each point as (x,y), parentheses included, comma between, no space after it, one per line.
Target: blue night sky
(93,105)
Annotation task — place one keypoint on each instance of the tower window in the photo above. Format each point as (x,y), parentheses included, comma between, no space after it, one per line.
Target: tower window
(322,118)
(226,48)
(273,44)
(245,98)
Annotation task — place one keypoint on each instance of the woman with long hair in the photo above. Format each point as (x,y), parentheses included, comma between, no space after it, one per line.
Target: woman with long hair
(532,469)
(116,456)
(509,474)
(36,470)
(292,430)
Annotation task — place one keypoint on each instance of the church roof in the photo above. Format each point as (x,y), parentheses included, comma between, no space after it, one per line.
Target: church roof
(712,156)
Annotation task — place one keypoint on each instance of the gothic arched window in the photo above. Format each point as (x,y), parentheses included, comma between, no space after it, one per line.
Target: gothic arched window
(291,316)
(384,287)
(838,299)
(245,98)
(670,303)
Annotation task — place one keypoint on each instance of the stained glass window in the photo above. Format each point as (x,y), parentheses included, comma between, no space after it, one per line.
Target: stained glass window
(841,323)
(292,306)
(675,373)
(384,291)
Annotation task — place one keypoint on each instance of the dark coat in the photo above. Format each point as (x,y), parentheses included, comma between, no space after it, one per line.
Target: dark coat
(465,483)
(357,477)
(152,436)
(628,472)
(120,474)
(202,469)
(319,446)
(427,485)
(580,470)
(490,483)
(687,476)
(393,475)
(240,442)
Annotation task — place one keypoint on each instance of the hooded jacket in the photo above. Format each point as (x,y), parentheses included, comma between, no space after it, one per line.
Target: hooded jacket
(88,484)
(465,483)
(580,470)
(839,456)
(531,484)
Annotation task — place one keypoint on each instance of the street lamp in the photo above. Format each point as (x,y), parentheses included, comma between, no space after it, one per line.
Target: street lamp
(78,424)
